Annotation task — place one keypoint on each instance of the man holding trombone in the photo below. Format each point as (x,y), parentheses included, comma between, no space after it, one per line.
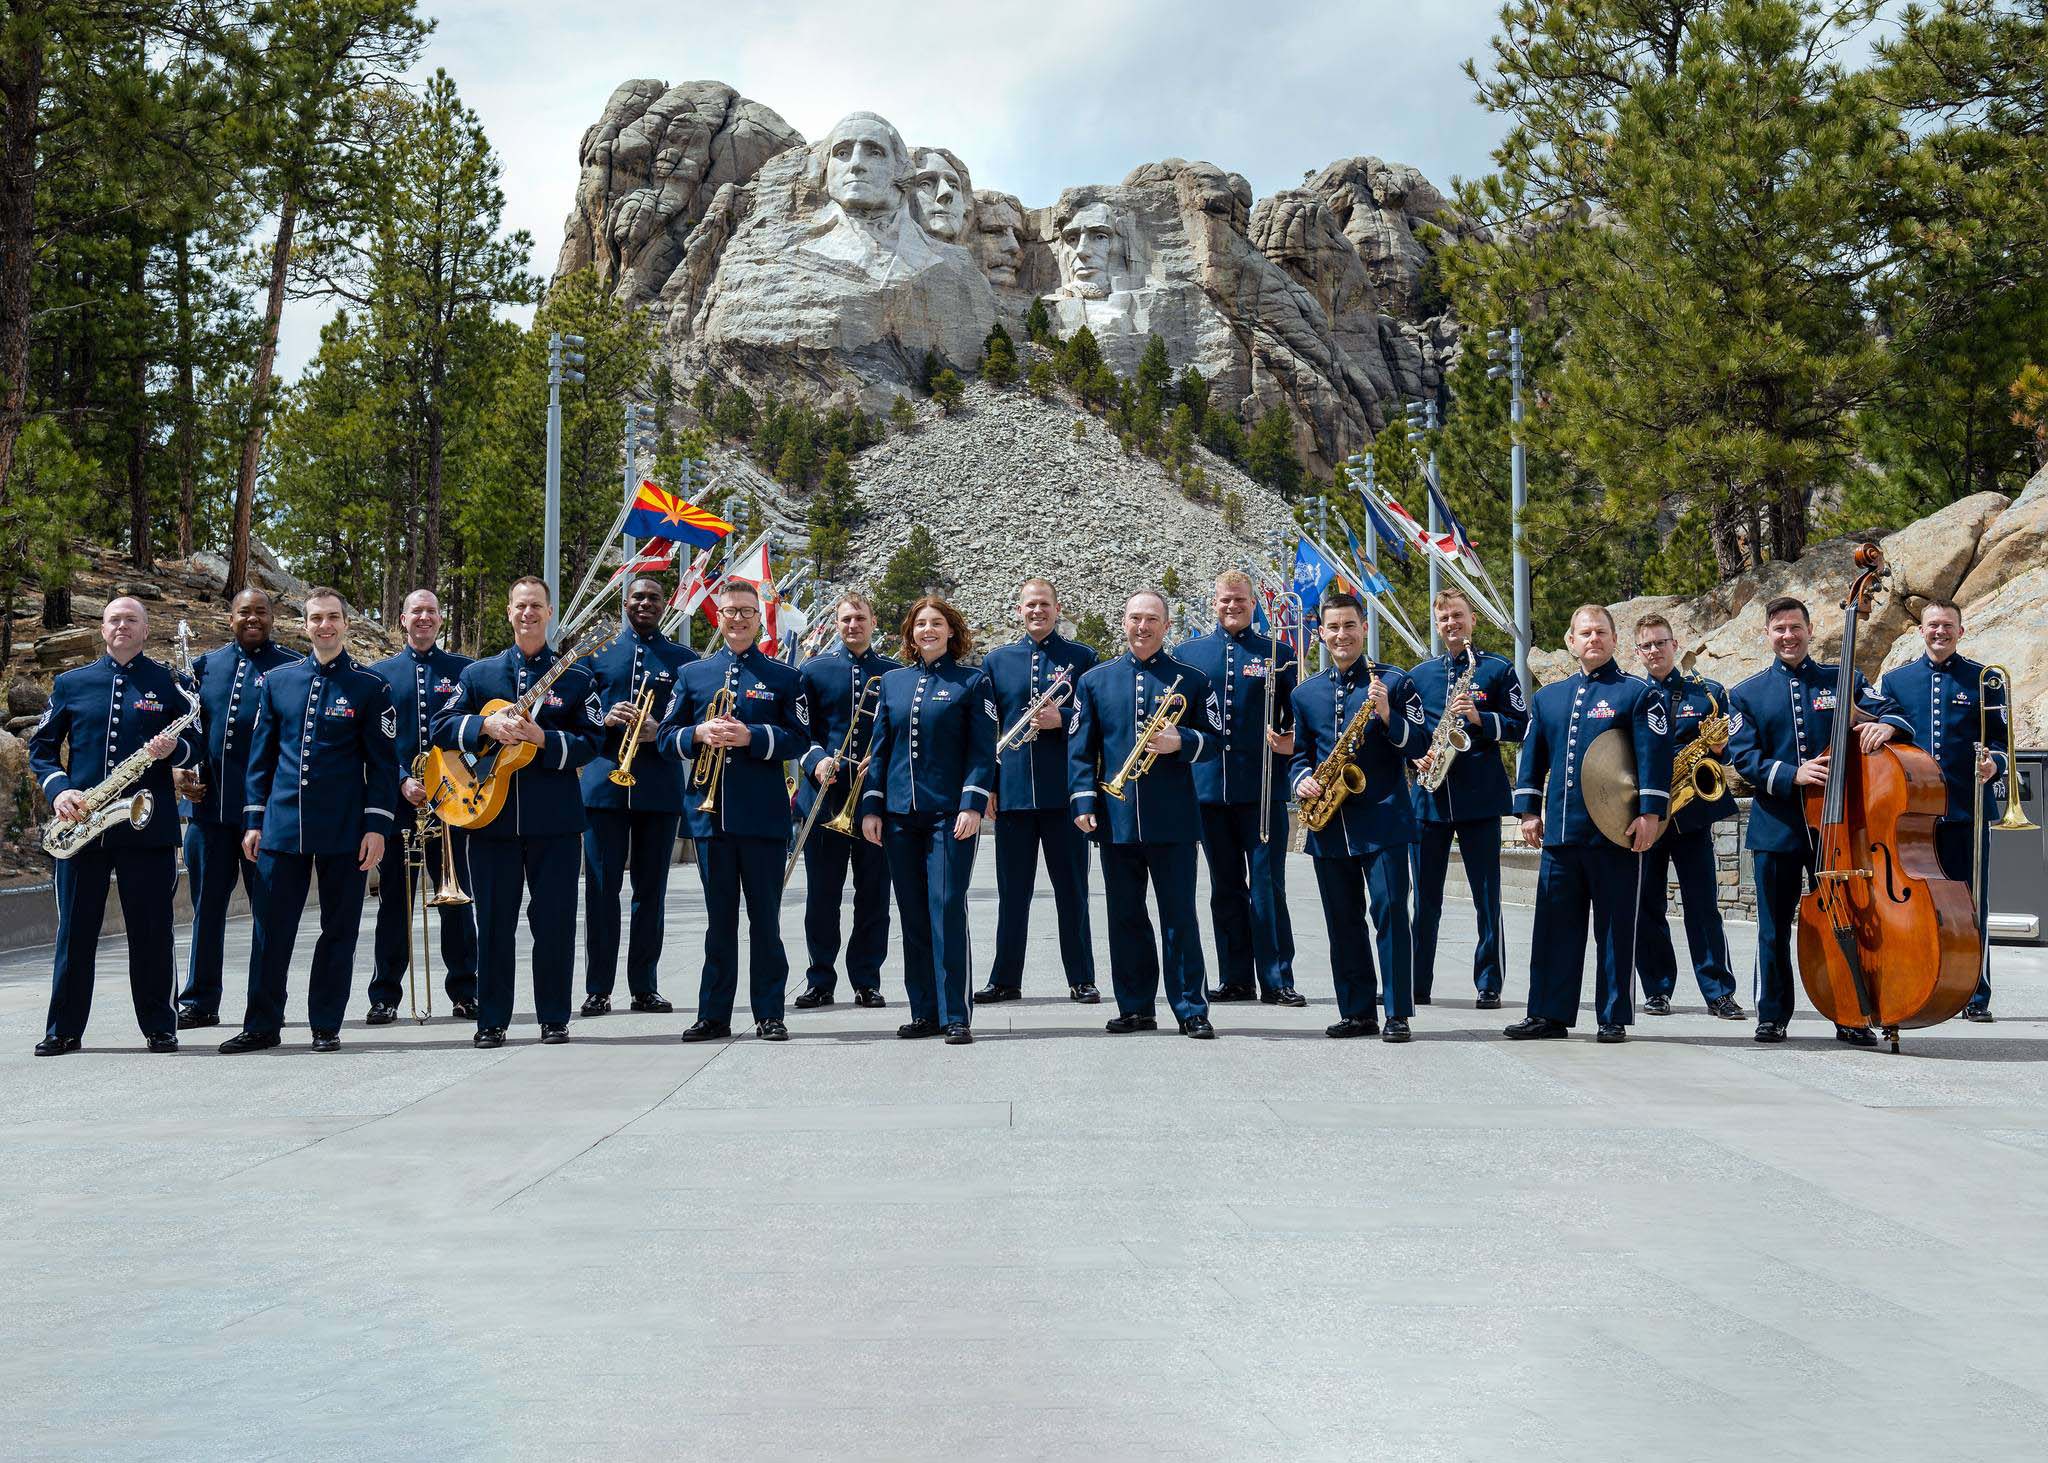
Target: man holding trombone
(1957,708)
(842,688)
(634,804)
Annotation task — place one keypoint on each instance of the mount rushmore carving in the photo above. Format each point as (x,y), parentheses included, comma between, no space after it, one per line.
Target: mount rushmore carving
(834,267)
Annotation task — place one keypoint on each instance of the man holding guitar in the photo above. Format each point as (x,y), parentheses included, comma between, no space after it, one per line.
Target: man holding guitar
(519,726)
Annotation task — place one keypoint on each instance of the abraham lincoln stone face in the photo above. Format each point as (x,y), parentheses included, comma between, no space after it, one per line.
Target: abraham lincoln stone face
(1087,252)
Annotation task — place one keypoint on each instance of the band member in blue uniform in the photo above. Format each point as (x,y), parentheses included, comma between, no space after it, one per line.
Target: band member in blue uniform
(534,845)
(1247,878)
(1361,855)
(1942,696)
(1581,870)
(99,715)
(1472,799)
(1031,802)
(1150,832)
(423,679)
(1784,723)
(632,829)
(321,794)
(935,761)
(834,684)
(230,681)
(743,836)
(1687,846)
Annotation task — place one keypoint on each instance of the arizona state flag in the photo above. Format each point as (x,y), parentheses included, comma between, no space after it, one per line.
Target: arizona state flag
(658,513)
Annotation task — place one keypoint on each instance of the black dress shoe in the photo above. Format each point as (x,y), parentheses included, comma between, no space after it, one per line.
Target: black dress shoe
(1770,1031)
(1286,996)
(1084,995)
(191,1016)
(595,1006)
(1396,1030)
(1232,993)
(812,998)
(868,996)
(161,1041)
(1352,1026)
(1656,1005)
(56,1046)
(1488,1001)
(554,1033)
(1727,1009)
(249,1041)
(463,1011)
(771,1030)
(1199,1028)
(654,1003)
(1978,1013)
(1422,998)
(958,1034)
(918,1028)
(1609,1034)
(326,1041)
(992,994)
(1125,1025)
(381,1016)
(490,1036)
(701,1030)
(1537,1028)
(1856,1035)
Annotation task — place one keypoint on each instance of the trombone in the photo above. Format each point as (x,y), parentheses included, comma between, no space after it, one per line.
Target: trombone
(419,895)
(868,704)
(707,770)
(1285,603)
(2013,820)
(1172,706)
(629,746)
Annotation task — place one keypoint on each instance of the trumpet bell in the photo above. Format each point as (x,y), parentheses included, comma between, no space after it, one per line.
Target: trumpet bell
(620,777)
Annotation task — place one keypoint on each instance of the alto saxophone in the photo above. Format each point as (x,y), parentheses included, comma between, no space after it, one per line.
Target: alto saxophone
(1694,771)
(109,804)
(1338,775)
(1450,737)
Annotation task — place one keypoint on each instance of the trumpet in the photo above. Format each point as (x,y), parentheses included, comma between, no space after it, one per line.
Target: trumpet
(629,748)
(868,704)
(1025,728)
(1172,707)
(707,770)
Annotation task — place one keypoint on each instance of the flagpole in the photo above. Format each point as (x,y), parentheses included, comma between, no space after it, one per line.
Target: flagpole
(1372,553)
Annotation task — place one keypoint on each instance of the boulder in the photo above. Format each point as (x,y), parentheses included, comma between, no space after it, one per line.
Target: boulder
(2016,541)
(1930,558)
(63,649)
(2004,628)
(26,698)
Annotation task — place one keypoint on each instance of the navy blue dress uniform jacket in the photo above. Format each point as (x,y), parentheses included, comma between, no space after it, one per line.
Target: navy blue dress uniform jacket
(422,686)
(1240,667)
(1942,704)
(935,742)
(1381,816)
(753,800)
(1034,776)
(623,669)
(545,799)
(1688,700)
(1784,717)
(101,713)
(323,770)
(230,681)
(1113,703)
(1566,718)
(1477,786)
(833,683)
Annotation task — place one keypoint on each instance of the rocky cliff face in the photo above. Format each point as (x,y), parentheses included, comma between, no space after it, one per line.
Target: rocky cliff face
(835,266)
(1986,553)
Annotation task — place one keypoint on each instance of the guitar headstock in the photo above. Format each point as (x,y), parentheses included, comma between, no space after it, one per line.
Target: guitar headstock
(590,640)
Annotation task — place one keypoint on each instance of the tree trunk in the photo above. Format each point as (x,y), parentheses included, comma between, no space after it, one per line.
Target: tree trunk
(56,608)
(259,398)
(138,427)
(21,91)
(187,478)
(430,548)
(1727,536)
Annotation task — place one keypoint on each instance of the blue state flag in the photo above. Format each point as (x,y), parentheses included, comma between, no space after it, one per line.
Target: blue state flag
(1368,572)
(1387,536)
(1312,572)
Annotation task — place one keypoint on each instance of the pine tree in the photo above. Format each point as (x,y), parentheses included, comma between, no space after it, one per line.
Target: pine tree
(1269,455)
(902,415)
(834,513)
(913,570)
(1155,374)
(946,391)
(1038,324)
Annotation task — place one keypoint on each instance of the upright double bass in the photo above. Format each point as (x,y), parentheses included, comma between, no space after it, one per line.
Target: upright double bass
(1886,940)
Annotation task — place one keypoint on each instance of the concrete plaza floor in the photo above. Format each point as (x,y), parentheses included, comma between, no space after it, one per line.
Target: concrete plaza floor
(1051,1244)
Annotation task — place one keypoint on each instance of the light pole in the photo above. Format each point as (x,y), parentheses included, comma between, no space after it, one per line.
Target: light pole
(1422,418)
(639,434)
(1504,349)
(565,355)
(1372,554)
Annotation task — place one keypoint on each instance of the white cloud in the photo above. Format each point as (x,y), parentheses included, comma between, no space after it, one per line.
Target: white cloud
(1034,96)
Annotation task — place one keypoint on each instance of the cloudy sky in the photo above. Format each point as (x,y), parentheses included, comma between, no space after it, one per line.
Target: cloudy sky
(1035,96)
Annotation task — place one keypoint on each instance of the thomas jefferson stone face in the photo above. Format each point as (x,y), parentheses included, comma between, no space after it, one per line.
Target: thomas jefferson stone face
(1087,251)
(862,164)
(942,201)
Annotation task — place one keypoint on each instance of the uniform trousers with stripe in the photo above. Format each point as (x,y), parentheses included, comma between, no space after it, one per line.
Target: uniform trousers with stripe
(285,879)
(1478,841)
(147,879)
(1576,880)
(1248,896)
(620,844)
(1952,847)
(392,944)
(1353,887)
(213,865)
(828,858)
(731,868)
(1019,837)
(1692,855)
(1136,961)
(543,870)
(931,870)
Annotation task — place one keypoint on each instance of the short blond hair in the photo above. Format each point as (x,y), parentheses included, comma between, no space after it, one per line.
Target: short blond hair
(1443,595)
(1601,610)
(1236,579)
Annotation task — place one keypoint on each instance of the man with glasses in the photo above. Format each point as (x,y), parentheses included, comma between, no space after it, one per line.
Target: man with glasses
(1687,846)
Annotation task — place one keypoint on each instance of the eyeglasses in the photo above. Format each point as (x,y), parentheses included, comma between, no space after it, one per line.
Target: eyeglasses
(1646,646)
(738,612)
